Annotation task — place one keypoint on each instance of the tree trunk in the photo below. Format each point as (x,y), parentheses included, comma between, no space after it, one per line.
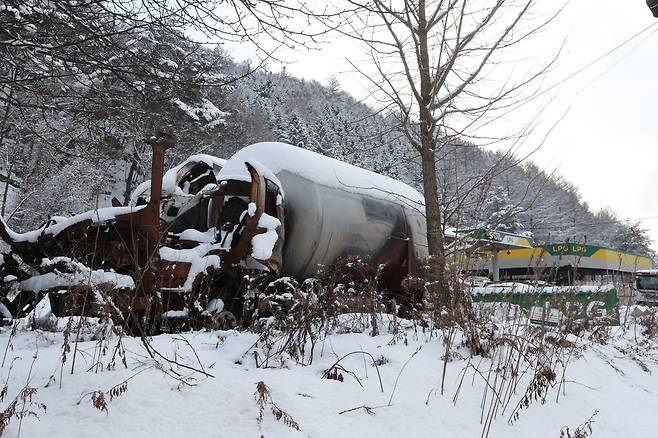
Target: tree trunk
(130,180)
(428,142)
(435,238)
(129,183)
(6,191)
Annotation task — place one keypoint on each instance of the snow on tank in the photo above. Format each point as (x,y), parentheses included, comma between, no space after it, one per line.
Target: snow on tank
(277,157)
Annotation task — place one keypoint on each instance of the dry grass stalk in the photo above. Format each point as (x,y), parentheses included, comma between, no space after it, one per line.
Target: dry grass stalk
(582,431)
(98,401)
(66,348)
(263,397)
(9,345)
(336,366)
(29,408)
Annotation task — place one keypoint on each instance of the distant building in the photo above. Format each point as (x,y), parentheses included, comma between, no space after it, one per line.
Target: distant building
(560,263)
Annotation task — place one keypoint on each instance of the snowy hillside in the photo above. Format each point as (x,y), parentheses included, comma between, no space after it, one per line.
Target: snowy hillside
(221,383)
(73,140)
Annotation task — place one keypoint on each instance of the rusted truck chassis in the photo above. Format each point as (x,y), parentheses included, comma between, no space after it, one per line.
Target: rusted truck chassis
(271,207)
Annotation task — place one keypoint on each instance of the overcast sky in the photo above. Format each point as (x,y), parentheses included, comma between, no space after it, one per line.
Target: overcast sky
(606,143)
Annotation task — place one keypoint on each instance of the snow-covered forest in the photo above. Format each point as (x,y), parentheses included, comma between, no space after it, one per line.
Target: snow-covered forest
(74,109)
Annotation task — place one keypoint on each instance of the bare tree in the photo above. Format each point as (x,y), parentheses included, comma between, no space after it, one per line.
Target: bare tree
(80,80)
(68,48)
(435,66)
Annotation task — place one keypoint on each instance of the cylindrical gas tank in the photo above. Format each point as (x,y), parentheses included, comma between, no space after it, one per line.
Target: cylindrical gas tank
(331,208)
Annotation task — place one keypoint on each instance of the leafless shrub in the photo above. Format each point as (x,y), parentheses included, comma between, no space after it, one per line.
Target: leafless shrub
(600,335)
(98,399)
(120,351)
(172,367)
(294,321)
(476,328)
(118,390)
(537,389)
(292,317)
(512,351)
(650,325)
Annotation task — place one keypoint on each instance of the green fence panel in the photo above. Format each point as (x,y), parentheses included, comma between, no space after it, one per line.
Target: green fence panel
(602,307)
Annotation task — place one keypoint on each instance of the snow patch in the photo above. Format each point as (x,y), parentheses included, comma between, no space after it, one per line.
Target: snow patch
(251,209)
(58,223)
(206,112)
(197,258)
(81,276)
(215,306)
(198,236)
(262,245)
(175,314)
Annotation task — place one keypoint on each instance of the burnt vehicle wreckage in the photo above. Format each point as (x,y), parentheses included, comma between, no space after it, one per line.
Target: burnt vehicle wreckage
(182,245)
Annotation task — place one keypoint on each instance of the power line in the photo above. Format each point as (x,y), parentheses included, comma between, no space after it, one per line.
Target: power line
(585,67)
(562,225)
(613,65)
(601,57)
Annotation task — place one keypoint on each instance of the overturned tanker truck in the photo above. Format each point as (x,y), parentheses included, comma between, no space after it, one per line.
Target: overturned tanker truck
(188,235)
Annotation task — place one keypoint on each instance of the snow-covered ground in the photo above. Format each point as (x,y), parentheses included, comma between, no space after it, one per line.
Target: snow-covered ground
(615,379)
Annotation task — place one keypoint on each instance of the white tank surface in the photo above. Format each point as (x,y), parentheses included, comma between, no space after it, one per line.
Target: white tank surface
(333,209)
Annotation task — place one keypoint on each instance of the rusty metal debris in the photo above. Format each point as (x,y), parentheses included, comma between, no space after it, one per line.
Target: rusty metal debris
(271,207)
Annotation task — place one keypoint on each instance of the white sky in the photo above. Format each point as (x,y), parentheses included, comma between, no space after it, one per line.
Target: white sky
(605,144)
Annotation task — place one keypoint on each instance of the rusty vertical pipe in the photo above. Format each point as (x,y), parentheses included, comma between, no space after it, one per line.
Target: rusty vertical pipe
(157,172)
(159,145)
(148,255)
(151,214)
